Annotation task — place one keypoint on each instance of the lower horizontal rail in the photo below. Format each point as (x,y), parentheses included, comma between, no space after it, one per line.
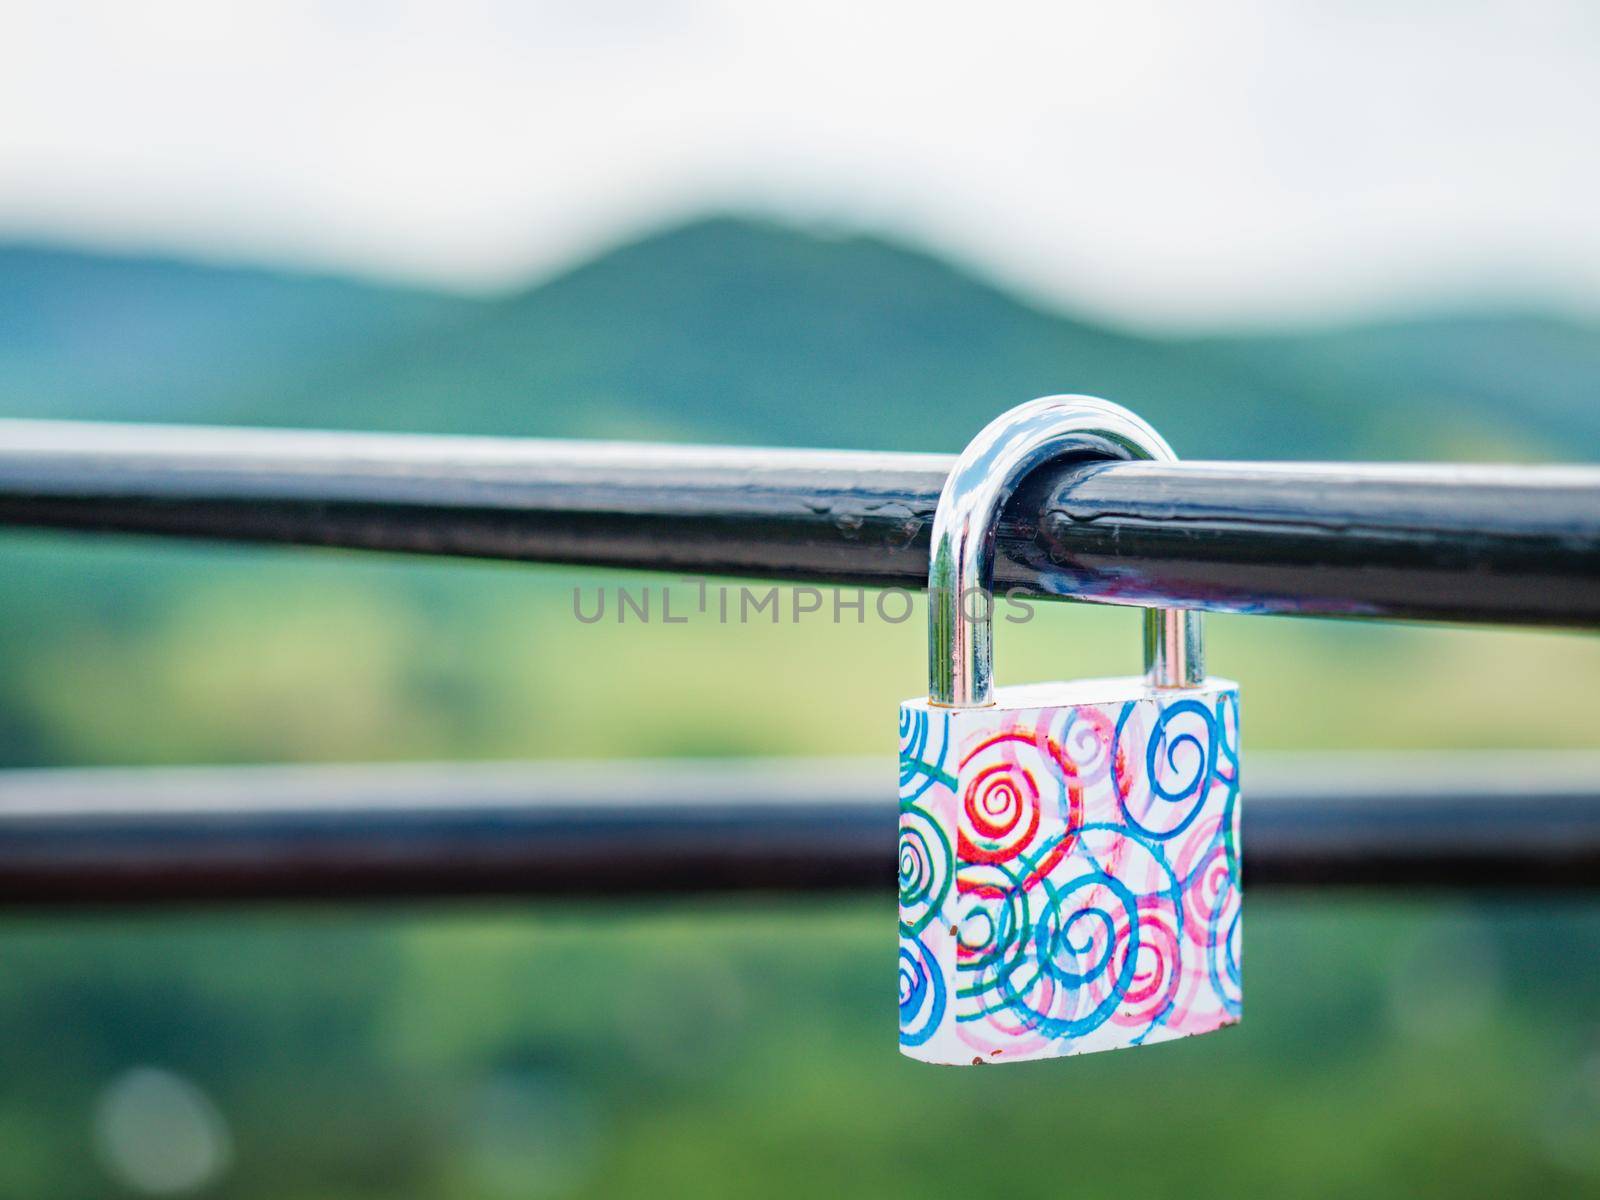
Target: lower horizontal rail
(1508,545)
(197,835)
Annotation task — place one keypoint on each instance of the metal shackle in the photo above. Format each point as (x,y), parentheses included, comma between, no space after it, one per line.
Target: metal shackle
(961,561)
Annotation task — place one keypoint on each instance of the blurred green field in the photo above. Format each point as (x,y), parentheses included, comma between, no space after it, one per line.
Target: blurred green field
(1423,1049)
(170,654)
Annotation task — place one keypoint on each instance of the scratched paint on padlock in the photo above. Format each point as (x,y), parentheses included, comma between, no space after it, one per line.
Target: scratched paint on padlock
(1069,875)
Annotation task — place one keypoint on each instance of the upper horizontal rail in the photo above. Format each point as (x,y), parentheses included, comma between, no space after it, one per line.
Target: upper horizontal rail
(1511,545)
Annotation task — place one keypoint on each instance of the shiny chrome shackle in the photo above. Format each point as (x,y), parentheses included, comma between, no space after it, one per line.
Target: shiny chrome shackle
(961,561)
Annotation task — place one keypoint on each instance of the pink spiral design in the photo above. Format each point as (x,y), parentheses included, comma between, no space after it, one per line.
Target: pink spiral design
(1203,863)
(1158,964)
(1089,739)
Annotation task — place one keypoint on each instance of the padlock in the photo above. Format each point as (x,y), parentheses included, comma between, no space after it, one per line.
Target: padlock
(1069,852)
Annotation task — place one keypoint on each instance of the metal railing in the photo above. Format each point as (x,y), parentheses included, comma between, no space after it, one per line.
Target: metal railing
(1402,822)
(1501,545)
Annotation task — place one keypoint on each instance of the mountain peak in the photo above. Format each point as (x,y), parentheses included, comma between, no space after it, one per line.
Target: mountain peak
(735,250)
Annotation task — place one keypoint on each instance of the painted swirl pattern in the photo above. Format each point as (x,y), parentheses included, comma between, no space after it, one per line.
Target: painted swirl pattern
(1069,874)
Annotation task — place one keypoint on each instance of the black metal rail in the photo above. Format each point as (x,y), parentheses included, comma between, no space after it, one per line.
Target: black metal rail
(616,830)
(1483,544)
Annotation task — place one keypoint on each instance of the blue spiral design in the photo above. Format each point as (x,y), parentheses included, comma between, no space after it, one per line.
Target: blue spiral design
(927,866)
(922,996)
(924,746)
(1172,892)
(1059,946)
(1228,755)
(994,930)
(1227,977)
(1192,787)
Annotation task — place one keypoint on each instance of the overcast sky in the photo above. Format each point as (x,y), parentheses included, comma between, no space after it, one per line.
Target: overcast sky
(1178,163)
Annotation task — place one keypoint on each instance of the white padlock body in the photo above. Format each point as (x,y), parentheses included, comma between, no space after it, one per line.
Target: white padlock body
(1069,870)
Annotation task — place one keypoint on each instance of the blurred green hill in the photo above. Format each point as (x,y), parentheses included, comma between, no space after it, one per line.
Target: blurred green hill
(737,330)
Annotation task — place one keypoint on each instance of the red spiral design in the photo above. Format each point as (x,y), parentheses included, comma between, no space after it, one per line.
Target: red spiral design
(1001,805)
